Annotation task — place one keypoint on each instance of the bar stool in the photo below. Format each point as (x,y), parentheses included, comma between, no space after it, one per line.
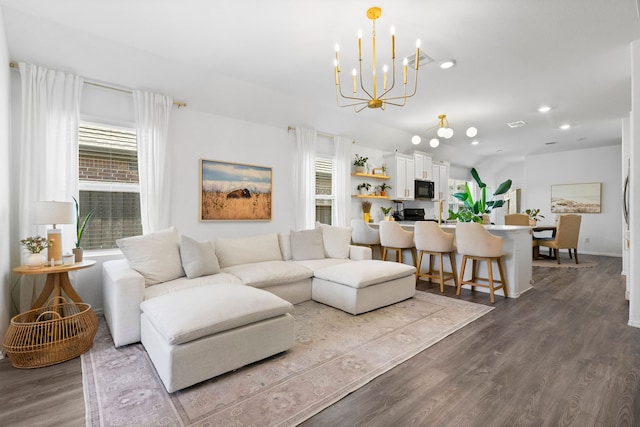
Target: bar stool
(393,237)
(364,235)
(432,240)
(477,244)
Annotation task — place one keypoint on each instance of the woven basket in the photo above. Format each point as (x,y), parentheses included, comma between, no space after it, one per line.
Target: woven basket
(51,334)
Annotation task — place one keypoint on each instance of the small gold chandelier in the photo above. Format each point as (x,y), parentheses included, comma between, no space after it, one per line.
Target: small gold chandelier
(371,98)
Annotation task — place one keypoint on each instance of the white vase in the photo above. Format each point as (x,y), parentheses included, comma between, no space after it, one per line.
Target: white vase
(361,169)
(36,260)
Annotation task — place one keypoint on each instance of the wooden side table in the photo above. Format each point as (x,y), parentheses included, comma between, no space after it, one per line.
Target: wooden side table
(57,280)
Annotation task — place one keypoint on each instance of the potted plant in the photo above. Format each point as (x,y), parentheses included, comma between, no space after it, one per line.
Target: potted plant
(81,224)
(360,163)
(383,188)
(35,245)
(385,212)
(366,211)
(474,211)
(534,216)
(364,187)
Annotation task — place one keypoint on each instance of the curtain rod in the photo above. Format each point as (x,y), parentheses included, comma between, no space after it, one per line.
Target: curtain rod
(324,134)
(110,87)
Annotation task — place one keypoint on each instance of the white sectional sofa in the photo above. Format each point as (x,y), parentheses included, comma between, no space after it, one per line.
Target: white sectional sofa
(163,272)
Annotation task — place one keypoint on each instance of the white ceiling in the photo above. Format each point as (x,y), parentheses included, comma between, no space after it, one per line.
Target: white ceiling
(271,62)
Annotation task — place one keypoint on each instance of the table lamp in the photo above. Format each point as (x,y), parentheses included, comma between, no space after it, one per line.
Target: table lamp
(45,213)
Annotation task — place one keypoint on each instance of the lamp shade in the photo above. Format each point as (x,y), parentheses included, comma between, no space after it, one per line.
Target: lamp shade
(45,213)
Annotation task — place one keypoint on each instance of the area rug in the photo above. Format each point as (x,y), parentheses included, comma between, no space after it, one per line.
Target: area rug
(568,263)
(335,353)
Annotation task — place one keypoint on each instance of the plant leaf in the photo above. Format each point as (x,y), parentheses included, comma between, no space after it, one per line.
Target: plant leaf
(503,188)
(476,177)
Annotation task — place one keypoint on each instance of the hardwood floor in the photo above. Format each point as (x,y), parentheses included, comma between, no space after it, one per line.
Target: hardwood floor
(561,354)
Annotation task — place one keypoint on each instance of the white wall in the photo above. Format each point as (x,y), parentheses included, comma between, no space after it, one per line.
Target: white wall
(5,155)
(602,230)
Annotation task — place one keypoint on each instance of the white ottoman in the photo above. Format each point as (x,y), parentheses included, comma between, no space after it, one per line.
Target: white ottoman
(360,286)
(199,333)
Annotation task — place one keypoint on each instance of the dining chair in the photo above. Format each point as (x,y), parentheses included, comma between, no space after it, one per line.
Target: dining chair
(363,234)
(431,240)
(475,243)
(566,237)
(394,238)
(516,219)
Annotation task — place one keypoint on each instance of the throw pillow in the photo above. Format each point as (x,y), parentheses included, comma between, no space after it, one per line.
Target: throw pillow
(307,244)
(336,241)
(155,255)
(198,258)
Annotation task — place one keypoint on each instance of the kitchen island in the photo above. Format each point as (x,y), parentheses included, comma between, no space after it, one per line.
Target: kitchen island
(516,243)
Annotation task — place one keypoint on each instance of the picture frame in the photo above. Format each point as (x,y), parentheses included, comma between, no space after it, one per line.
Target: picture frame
(576,198)
(234,191)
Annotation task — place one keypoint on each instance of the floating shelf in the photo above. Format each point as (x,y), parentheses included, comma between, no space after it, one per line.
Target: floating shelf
(370,175)
(369,196)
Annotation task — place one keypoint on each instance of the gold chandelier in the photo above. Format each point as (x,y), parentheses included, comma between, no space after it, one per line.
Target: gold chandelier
(371,98)
(444,131)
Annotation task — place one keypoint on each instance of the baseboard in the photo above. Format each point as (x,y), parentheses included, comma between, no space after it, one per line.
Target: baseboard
(634,323)
(599,254)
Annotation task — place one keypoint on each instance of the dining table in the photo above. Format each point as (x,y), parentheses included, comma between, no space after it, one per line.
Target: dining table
(539,229)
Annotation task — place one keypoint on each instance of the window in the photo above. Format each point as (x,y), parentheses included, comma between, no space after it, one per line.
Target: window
(108,183)
(324,190)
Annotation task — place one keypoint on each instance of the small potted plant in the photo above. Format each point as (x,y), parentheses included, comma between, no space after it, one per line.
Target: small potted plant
(383,188)
(534,216)
(366,211)
(364,187)
(81,224)
(360,163)
(35,245)
(385,212)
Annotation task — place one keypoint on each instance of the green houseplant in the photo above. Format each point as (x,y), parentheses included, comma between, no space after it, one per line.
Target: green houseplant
(364,187)
(534,215)
(35,245)
(383,189)
(385,212)
(81,225)
(474,211)
(360,163)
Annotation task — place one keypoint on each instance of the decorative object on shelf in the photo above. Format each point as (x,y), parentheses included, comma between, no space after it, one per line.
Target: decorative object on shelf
(54,213)
(360,163)
(444,131)
(475,211)
(364,187)
(534,216)
(81,225)
(378,171)
(371,98)
(383,188)
(385,212)
(35,245)
(366,211)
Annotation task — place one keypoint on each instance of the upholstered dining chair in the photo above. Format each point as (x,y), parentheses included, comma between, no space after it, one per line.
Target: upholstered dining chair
(568,231)
(394,238)
(475,243)
(431,240)
(516,219)
(363,234)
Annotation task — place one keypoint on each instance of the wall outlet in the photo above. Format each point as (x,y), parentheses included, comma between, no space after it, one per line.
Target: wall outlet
(587,240)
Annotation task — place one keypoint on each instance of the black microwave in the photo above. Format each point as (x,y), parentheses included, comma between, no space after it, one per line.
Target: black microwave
(423,190)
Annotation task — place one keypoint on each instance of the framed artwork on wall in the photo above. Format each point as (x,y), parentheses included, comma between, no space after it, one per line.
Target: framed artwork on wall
(234,191)
(576,198)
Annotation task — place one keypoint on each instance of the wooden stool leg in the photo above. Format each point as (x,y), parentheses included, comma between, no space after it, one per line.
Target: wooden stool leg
(490,272)
(418,266)
(413,255)
(441,274)
(452,260)
(503,278)
(384,253)
(462,267)
(398,255)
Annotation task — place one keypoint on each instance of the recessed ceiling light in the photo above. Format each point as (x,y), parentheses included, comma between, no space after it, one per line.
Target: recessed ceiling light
(517,124)
(474,142)
(447,63)
(565,126)
(499,151)
(544,109)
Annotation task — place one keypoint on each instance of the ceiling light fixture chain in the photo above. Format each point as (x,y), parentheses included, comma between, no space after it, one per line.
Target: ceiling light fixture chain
(372,100)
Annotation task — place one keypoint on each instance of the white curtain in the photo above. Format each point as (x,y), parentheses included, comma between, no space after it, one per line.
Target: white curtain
(341,182)
(152,126)
(304,179)
(48,147)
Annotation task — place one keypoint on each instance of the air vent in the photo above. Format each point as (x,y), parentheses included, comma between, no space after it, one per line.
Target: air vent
(517,124)
(550,143)
(424,60)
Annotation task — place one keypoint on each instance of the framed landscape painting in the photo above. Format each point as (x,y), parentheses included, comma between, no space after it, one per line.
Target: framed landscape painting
(576,198)
(234,191)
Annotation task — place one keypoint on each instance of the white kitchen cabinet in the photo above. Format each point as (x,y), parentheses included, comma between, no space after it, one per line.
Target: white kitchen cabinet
(422,166)
(400,168)
(440,177)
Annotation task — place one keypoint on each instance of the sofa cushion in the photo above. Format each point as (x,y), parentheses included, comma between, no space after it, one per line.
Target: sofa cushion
(307,244)
(317,264)
(198,312)
(364,273)
(198,258)
(269,273)
(336,240)
(284,240)
(246,250)
(182,283)
(156,256)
